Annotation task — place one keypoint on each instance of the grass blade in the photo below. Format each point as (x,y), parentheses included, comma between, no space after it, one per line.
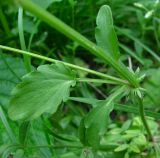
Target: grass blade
(151,52)
(131,53)
(7,126)
(27,61)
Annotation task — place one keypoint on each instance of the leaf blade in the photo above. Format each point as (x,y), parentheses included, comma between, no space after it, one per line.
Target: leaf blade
(41,91)
(105,34)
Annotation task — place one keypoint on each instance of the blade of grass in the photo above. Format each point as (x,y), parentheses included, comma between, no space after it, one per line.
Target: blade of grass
(74,35)
(151,52)
(7,126)
(118,80)
(27,60)
(131,53)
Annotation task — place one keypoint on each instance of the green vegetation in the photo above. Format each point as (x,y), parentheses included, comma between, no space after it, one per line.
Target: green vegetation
(79,79)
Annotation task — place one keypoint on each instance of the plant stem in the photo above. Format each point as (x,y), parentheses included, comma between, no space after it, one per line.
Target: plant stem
(26,59)
(95,80)
(143,118)
(54,146)
(118,80)
(84,42)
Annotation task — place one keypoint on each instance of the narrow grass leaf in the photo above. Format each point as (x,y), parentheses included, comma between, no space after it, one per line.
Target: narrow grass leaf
(7,126)
(145,47)
(131,53)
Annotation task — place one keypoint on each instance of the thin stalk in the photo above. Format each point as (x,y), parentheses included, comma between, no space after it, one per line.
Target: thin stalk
(143,118)
(83,41)
(88,80)
(54,146)
(32,35)
(26,59)
(65,63)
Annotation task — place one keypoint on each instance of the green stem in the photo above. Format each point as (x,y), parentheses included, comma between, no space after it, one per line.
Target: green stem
(84,42)
(32,35)
(95,80)
(27,59)
(54,146)
(143,118)
(67,64)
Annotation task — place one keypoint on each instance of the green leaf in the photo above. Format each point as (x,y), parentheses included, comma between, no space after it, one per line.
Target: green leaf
(11,70)
(41,91)
(105,34)
(135,39)
(134,148)
(140,140)
(152,85)
(37,135)
(8,129)
(68,155)
(95,124)
(121,148)
(23,131)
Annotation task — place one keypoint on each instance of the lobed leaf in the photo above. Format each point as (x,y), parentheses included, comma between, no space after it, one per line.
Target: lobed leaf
(41,91)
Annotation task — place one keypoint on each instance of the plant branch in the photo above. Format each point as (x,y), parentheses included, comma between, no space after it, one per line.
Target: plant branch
(118,80)
(83,41)
(143,118)
(95,80)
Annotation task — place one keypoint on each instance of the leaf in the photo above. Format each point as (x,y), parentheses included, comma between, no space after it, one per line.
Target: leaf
(105,34)
(69,155)
(23,131)
(95,124)
(121,147)
(86,153)
(41,91)
(7,149)
(8,129)
(145,47)
(37,135)
(152,85)
(11,70)
(131,53)
(134,148)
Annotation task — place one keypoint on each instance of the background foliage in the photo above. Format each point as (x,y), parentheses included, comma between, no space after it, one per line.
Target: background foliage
(117,130)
